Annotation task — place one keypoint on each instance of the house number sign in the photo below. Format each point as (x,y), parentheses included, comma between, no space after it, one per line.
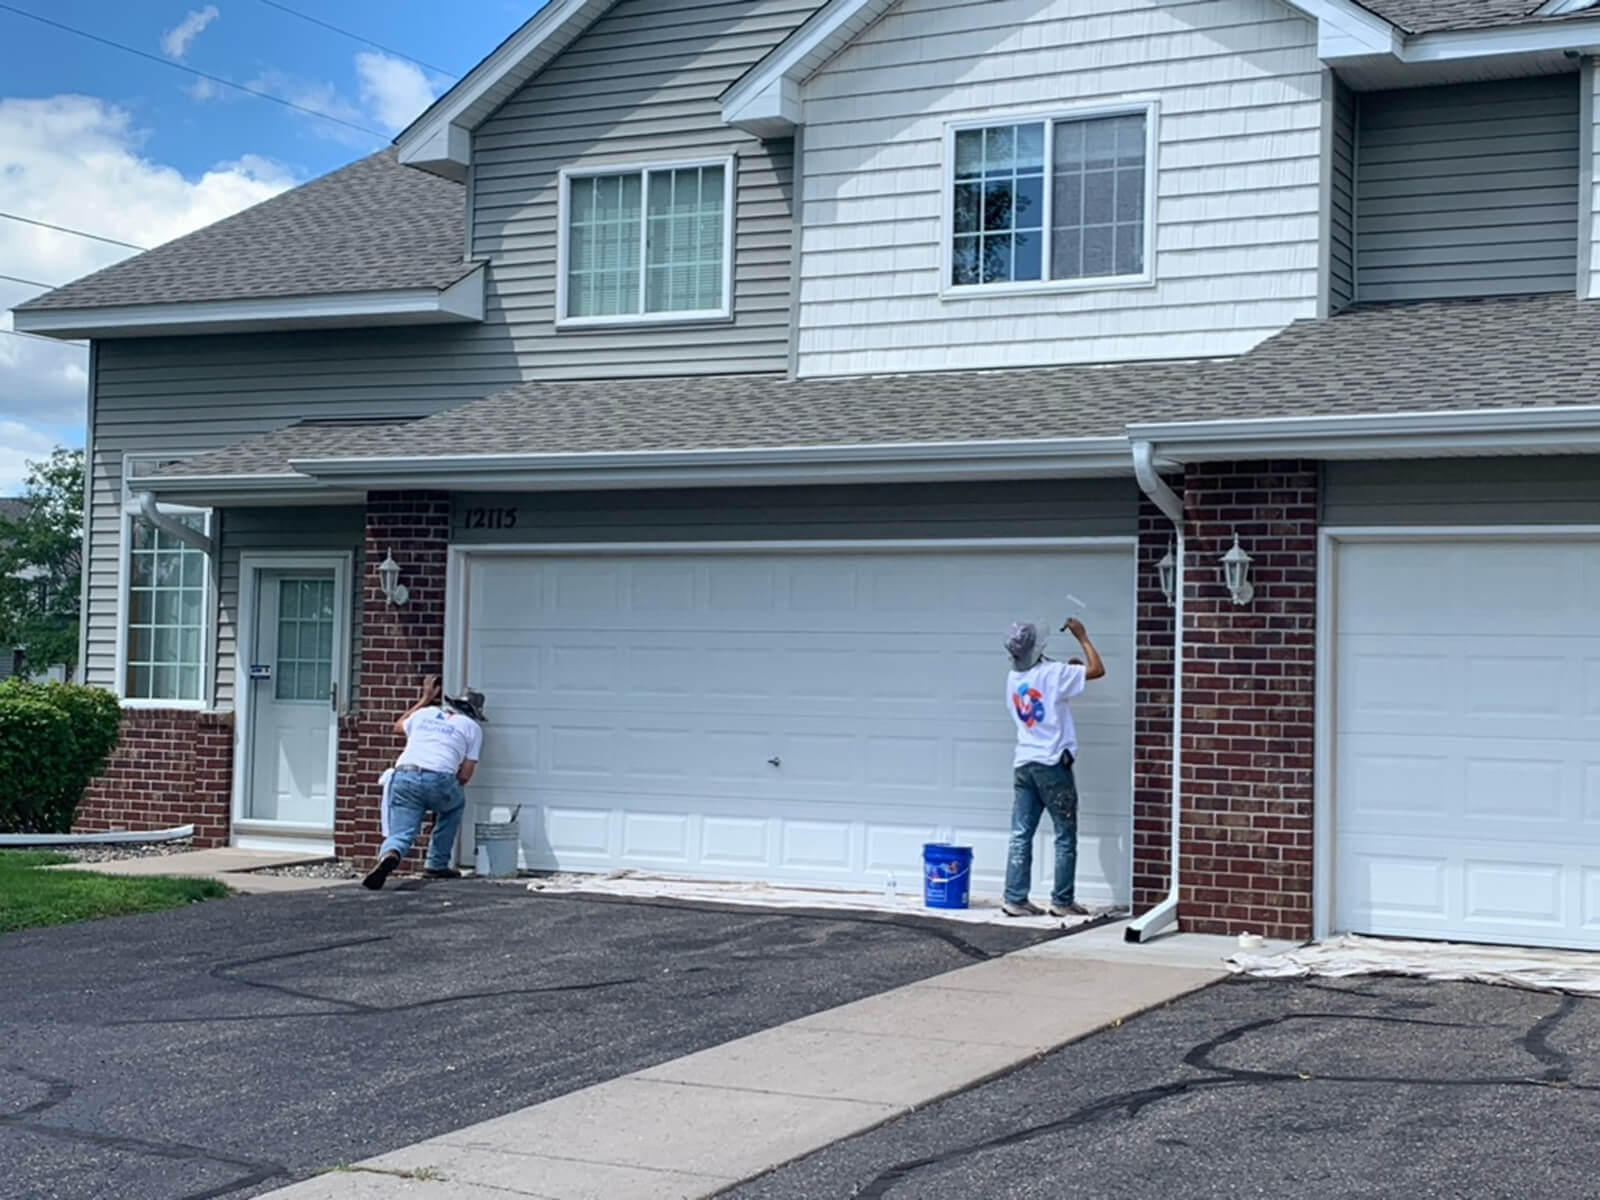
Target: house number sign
(491,518)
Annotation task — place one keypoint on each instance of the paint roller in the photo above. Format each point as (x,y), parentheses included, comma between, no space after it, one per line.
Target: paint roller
(1080,609)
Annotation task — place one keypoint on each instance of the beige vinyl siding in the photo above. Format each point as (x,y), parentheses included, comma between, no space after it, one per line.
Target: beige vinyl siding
(187,395)
(640,86)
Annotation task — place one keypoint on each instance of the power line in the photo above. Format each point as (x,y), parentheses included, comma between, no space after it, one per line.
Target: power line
(29,282)
(63,229)
(178,66)
(356,37)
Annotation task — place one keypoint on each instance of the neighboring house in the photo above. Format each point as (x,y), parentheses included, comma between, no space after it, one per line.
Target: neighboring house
(13,661)
(720,382)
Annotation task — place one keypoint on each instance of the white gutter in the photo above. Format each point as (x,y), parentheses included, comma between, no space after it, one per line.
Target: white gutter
(143,505)
(1152,485)
(1560,429)
(729,467)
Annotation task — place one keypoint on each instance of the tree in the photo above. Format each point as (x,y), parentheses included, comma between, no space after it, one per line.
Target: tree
(41,564)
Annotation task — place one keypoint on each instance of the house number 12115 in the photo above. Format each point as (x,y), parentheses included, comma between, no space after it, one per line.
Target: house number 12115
(491,518)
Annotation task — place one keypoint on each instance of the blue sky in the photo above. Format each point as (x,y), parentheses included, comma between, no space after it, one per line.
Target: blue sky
(98,139)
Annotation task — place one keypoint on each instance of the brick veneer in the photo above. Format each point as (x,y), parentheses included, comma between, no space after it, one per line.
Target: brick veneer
(399,645)
(172,767)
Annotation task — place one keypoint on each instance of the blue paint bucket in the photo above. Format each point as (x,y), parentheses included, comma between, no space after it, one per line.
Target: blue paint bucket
(946,875)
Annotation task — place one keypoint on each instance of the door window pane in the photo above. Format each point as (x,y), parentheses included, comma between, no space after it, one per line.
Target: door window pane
(304,668)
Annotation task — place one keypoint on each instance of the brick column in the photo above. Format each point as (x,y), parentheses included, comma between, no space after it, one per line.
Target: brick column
(1152,714)
(1249,701)
(399,645)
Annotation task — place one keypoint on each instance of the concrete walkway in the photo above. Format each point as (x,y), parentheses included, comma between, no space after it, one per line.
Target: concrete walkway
(226,865)
(694,1126)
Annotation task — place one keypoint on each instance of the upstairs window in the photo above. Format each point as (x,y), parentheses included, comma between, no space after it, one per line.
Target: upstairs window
(1060,200)
(647,243)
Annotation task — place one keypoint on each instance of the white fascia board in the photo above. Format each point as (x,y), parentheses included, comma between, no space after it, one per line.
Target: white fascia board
(906,462)
(1580,36)
(1346,30)
(244,491)
(462,301)
(766,101)
(1565,429)
(440,140)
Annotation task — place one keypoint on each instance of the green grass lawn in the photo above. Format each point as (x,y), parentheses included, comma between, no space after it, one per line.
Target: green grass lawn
(30,897)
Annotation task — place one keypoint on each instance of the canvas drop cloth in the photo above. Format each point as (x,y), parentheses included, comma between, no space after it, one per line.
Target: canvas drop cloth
(1573,971)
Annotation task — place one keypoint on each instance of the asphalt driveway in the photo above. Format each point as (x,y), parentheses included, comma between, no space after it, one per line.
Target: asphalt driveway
(227,1048)
(1378,1087)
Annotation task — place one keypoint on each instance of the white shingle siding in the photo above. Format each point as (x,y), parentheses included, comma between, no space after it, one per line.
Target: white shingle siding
(1239,136)
(1591,178)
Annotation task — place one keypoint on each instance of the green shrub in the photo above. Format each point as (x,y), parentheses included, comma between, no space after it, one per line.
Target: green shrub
(54,740)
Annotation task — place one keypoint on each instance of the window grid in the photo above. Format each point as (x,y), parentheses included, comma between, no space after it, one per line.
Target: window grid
(166,614)
(304,668)
(1094,208)
(648,242)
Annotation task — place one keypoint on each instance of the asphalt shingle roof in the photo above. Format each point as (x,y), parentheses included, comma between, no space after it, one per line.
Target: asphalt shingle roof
(1434,16)
(371,226)
(1461,355)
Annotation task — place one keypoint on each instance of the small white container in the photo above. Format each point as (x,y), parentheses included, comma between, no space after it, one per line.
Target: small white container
(1251,941)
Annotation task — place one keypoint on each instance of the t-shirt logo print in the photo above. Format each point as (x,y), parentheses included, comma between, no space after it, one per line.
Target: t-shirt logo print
(1029,705)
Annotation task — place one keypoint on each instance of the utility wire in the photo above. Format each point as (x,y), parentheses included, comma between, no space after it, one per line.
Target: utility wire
(356,37)
(29,282)
(63,229)
(177,66)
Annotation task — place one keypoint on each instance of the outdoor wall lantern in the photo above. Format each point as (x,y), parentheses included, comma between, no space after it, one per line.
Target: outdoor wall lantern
(1236,573)
(1167,572)
(389,584)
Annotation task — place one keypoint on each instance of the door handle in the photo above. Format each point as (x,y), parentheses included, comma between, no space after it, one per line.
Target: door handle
(775,761)
(333,695)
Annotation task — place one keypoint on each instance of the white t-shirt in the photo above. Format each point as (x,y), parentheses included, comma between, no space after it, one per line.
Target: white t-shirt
(437,740)
(1038,699)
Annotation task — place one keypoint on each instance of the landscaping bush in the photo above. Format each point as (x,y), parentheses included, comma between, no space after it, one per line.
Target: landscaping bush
(54,740)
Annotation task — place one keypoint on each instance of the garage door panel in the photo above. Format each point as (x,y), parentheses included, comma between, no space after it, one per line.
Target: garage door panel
(1467,759)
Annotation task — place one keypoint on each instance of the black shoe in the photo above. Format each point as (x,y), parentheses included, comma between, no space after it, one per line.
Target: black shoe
(1021,908)
(441,873)
(1068,910)
(379,874)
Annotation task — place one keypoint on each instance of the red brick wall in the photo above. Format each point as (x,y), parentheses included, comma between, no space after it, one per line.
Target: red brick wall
(1249,701)
(399,645)
(172,767)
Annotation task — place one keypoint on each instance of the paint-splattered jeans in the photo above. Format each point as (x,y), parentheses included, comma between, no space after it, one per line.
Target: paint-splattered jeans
(1041,786)
(411,796)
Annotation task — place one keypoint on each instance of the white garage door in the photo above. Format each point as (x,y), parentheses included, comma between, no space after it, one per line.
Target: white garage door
(809,718)
(1468,741)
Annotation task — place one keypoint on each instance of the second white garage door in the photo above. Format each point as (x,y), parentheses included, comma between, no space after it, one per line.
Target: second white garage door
(805,717)
(1468,740)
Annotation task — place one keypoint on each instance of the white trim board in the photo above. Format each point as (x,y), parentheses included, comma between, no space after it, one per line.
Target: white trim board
(1325,728)
(251,564)
(461,302)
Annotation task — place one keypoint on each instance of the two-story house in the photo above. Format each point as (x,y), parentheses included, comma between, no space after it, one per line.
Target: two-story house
(711,385)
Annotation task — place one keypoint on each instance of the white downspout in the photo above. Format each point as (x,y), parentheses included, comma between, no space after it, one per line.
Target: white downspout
(143,505)
(1152,485)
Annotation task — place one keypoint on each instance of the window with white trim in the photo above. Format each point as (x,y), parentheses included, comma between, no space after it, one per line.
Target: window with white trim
(167,601)
(647,243)
(1054,200)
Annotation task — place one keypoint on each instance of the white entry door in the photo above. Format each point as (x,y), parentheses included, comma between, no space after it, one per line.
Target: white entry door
(1467,740)
(805,717)
(295,680)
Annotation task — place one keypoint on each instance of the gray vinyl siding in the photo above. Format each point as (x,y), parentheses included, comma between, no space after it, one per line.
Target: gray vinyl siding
(1056,508)
(1342,216)
(640,86)
(1463,491)
(282,531)
(186,395)
(1468,190)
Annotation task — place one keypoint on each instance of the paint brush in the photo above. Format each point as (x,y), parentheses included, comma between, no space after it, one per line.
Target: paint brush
(1079,605)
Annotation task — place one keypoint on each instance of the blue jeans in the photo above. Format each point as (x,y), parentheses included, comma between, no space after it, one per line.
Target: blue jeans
(413,794)
(1041,786)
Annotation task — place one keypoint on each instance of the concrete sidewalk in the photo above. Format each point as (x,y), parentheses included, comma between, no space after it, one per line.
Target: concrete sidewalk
(227,866)
(694,1126)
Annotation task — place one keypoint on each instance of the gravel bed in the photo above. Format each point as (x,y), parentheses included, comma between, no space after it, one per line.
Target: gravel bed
(332,869)
(100,854)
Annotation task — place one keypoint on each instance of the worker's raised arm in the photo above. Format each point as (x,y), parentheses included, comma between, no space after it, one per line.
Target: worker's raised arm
(1095,667)
(432,689)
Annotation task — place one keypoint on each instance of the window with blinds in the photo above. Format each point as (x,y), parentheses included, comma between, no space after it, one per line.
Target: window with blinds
(647,243)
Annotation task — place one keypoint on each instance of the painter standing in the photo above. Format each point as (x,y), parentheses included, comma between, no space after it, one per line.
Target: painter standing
(444,737)
(1039,692)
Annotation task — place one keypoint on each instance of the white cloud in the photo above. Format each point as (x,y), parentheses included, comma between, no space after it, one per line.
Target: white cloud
(74,161)
(177,40)
(319,97)
(394,90)
(18,446)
